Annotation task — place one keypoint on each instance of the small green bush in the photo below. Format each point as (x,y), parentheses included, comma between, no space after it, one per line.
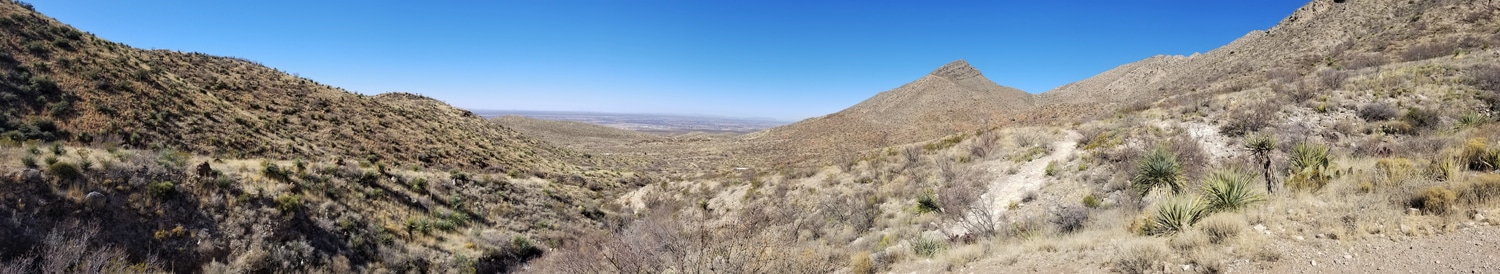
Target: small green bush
(926,247)
(163,189)
(1091,201)
(288,202)
(29,161)
(1229,190)
(1158,169)
(1421,118)
(65,171)
(1052,168)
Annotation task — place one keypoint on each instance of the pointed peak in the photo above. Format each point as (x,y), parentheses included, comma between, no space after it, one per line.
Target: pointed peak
(956,70)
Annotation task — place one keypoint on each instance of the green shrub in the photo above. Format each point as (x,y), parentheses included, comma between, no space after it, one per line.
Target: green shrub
(65,171)
(163,189)
(29,161)
(1229,190)
(1177,214)
(1436,199)
(1421,118)
(271,170)
(1052,168)
(57,149)
(1310,167)
(50,160)
(1158,169)
(926,247)
(1091,201)
(288,202)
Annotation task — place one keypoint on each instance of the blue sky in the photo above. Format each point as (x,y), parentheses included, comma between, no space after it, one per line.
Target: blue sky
(787,60)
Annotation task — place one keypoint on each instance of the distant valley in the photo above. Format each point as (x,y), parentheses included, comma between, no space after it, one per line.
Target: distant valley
(670,124)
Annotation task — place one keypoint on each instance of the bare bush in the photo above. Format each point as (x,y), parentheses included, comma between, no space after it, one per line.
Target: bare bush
(1332,78)
(1429,50)
(1364,60)
(984,144)
(1376,112)
(1249,119)
(69,249)
(1283,74)
(1070,219)
(1486,77)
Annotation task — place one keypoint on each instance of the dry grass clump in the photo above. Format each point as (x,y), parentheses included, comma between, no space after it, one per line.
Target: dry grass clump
(1221,228)
(1140,257)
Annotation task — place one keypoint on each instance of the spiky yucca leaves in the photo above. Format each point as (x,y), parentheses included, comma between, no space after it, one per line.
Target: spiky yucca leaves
(1310,169)
(1177,214)
(1229,190)
(1159,168)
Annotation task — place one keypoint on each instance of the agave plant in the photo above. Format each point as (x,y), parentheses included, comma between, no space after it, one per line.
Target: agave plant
(1159,168)
(1229,190)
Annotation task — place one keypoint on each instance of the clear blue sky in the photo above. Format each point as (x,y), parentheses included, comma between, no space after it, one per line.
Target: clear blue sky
(779,59)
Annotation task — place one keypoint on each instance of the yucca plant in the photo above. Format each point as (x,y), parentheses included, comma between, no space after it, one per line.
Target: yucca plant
(1261,146)
(1158,169)
(1229,190)
(1177,214)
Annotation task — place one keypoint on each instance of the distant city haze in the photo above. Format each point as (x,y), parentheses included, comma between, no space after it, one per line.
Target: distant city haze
(786,60)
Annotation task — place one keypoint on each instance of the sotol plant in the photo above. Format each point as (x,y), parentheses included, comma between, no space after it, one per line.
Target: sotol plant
(1310,168)
(1177,214)
(1229,190)
(1158,169)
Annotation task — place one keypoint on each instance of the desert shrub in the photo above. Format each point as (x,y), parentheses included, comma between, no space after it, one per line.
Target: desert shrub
(1472,119)
(1331,78)
(1177,214)
(1229,190)
(71,249)
(1091,200)
(29,161)
(1070,219)
(1051,169)
(925,247)
(162,189)
(1435,199)
(1140,258)
(1486,77)
(65,171)
(1160,168)
(1477,155)
(288,202)
(1249,119)
(1309,167)
(274,172)
(1480,189)
(928,203)
(1429,50)
(1396,128)
(860,263)
(1222,227)
(1364,60)
(1376,112)
(1421,118)
(1393,172)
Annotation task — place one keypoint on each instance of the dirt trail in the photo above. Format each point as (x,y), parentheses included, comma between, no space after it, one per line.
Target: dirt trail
(1012,187)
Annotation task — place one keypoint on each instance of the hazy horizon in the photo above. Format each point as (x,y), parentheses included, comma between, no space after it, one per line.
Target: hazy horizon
(781,60)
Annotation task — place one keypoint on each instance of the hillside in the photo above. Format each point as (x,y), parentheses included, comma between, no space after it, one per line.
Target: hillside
(120,160)
(953,98)
(67,85)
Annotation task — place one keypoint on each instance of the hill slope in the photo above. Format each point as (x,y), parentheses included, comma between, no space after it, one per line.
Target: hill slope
(63,84)
(953,98)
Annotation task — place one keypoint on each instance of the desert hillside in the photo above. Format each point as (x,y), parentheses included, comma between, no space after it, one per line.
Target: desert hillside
(68,85)
(1352,137)
(123,160)
(953,98)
